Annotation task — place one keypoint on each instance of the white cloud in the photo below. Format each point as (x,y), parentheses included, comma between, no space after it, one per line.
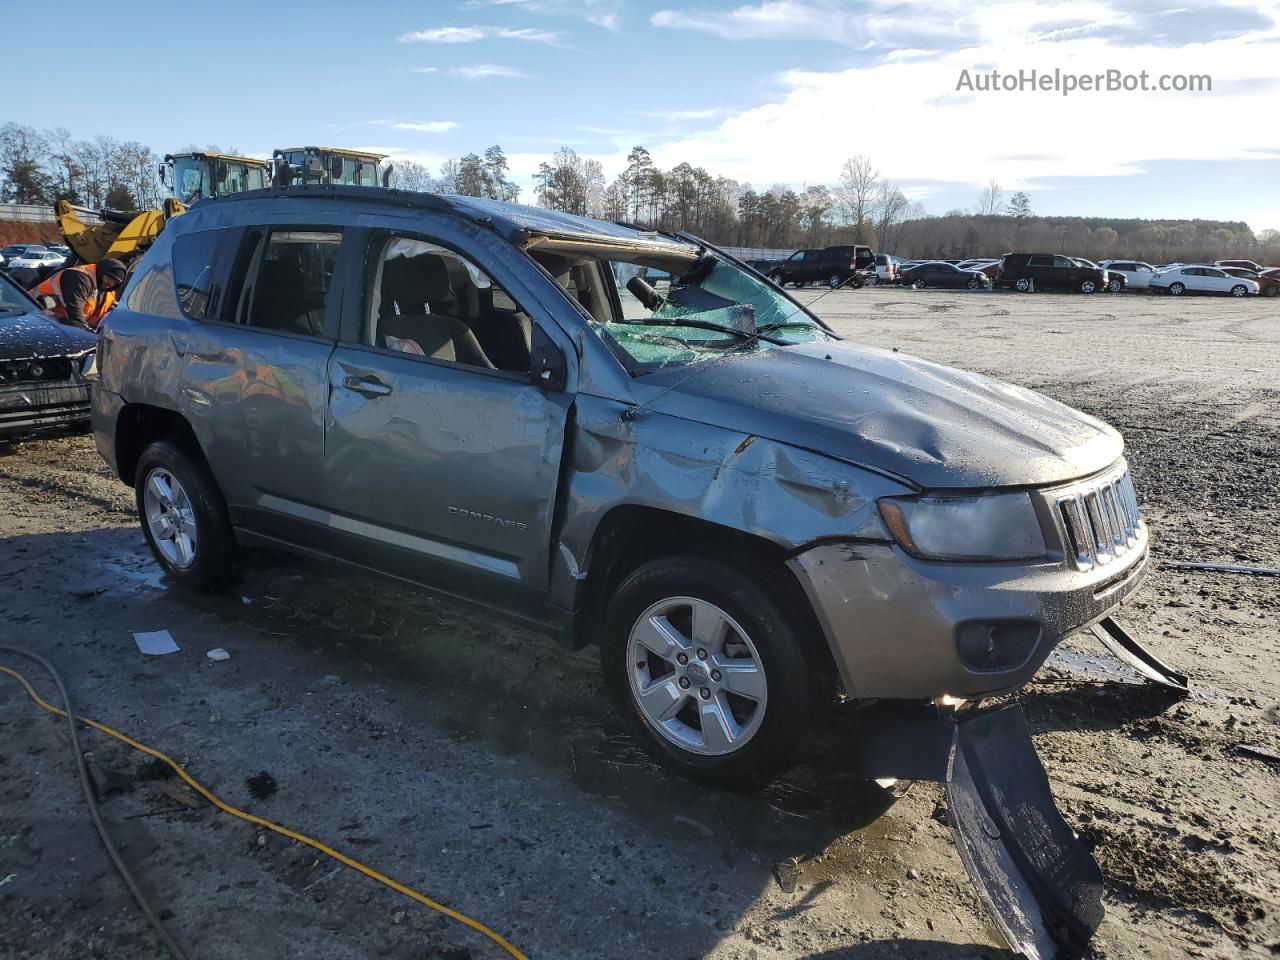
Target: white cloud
(483,71)
(429,126)
(424,69)
(674,115)
(474,34)
(417,126)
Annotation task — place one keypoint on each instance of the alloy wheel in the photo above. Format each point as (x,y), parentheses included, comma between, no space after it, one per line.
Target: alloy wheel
(696,676)
(170,517)
(1239,290)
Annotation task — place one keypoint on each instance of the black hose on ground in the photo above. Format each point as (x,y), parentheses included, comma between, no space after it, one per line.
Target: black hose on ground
(86,785)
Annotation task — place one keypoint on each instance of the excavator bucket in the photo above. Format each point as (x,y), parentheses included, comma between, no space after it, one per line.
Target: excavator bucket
(1039,883)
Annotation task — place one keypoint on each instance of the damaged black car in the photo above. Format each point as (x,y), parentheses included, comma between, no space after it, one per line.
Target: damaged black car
(45,367)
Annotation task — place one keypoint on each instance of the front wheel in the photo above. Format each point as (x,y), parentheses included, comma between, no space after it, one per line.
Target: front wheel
(1088,286)
(706,664)
(918,283)
(834,281)
(1239,290)
(973,283)
(776,278)
(1177,289)
(184,517)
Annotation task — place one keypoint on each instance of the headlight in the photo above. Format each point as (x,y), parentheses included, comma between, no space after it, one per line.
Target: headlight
(1000,526)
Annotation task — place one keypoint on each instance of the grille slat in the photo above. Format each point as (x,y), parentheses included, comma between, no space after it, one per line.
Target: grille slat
(1101,521)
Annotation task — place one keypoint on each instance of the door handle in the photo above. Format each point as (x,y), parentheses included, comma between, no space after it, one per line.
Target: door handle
(369,386)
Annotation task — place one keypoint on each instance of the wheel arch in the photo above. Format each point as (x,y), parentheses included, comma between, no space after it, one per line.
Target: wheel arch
(629,535)
(140,424)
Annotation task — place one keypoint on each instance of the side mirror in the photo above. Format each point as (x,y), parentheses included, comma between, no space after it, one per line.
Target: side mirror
(163,177)
(547,367)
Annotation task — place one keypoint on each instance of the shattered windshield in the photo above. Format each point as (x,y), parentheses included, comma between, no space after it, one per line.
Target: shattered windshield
(655,314)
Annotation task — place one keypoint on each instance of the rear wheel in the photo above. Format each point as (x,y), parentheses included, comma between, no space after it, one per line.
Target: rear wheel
(834,280)
(184,517)
(706,665)
(1022,284)
(973,283)
(1115,286)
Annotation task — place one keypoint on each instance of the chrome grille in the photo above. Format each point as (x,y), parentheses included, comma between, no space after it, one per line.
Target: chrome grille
(1101,520)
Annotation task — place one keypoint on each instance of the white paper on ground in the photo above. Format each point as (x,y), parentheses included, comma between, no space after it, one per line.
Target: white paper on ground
(156,643)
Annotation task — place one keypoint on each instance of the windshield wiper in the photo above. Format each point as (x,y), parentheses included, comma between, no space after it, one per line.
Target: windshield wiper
(786,324)
(701,325)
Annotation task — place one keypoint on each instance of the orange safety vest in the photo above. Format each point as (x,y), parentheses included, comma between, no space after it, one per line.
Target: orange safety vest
(95,307)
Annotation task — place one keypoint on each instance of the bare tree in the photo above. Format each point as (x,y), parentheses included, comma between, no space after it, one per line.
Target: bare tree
(858,180)
(989,202)
(890,210)
(408,175)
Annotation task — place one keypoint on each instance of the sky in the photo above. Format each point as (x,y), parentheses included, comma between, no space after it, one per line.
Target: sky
(779,91)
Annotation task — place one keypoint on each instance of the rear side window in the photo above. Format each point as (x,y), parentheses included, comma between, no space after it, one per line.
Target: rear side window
(197,273)
(288,282)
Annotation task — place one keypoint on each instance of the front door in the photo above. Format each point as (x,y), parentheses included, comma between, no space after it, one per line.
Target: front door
(441,455)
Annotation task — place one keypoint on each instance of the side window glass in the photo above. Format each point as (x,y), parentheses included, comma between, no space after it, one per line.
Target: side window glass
(429,301)
(287,291)
(1063,262)
(196,273)
(1040,262)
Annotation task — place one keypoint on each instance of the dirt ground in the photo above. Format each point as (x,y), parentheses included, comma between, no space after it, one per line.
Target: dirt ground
(477,762)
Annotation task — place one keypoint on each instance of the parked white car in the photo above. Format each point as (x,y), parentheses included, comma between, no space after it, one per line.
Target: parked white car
(1137,273)
(888,269)
(36,260)
(1202,279)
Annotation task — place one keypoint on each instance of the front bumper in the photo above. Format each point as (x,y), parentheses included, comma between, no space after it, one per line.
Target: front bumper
(892,622)
(31,407)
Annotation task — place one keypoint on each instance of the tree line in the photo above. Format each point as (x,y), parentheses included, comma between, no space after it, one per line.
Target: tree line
(43,166)
(861,205)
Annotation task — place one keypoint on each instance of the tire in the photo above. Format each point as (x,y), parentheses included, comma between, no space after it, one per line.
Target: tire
(1239,290)
(1115,286)
(1022,284)
(787,687)
(973,283)
(1177,289)
(834,281)
(776,277)
(175,491)
(1271,291)
(918,283)
(1088,286)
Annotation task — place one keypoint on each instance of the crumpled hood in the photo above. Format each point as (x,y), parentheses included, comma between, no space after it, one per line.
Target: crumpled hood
(932,424)
(34,334)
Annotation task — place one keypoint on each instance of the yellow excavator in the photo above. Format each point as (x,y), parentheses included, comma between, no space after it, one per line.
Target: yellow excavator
(124,234)
(320,166)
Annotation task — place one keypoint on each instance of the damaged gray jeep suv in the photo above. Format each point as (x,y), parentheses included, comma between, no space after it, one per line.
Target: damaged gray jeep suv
(628,437)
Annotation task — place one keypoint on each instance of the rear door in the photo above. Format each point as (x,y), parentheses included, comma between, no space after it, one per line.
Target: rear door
(442,455)
(255,383)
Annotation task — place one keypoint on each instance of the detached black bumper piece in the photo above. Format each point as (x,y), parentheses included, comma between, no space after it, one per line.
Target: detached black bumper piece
(1150,667)
(31,407)
(1040,884)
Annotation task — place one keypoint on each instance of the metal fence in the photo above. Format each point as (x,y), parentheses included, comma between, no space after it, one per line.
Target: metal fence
(758,253)
(27,212)
(37,213)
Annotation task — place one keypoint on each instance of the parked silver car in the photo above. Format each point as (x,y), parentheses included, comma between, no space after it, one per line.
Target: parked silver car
(747,513)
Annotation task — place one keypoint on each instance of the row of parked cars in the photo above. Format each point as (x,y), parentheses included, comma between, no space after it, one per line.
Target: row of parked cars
(856,266)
